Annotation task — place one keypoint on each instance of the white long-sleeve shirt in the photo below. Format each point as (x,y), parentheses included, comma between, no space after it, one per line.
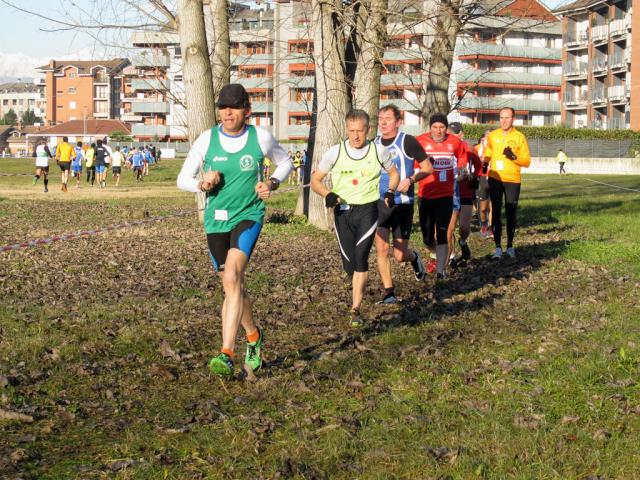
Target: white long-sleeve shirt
(195,158)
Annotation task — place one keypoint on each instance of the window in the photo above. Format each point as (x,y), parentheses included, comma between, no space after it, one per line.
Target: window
(102,91)
(5,102)
(72,75)
(177,78)
(72,105)
(59,106)
(72,89)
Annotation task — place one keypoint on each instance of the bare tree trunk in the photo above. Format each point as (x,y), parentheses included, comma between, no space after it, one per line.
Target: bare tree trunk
(331,92)
(220,56)
(196,71)
(447,26)
(370,36)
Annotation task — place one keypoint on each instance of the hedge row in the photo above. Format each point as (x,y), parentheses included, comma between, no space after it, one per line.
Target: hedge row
(557,133)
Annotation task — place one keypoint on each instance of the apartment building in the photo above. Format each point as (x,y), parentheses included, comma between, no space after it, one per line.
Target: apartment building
(598,86)
(77,90)
(510,56)
(22,96)
(153,101)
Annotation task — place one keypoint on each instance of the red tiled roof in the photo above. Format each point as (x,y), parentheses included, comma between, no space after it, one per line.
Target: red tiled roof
(84,66)
(93,128)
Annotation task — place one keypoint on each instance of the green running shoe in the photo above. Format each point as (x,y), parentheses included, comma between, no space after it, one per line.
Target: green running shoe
(221,365)
(34,181)
(252,357)
(355,319)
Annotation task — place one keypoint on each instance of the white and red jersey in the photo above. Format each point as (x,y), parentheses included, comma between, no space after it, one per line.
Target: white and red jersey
(445,156)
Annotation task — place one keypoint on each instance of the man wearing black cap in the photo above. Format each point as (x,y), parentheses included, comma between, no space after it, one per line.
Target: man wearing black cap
(231,156)
(436,191)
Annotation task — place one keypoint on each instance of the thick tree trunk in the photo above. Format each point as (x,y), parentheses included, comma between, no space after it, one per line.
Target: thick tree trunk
(219,41)
(196,71)
(446,28)
(369,38)
(330,94)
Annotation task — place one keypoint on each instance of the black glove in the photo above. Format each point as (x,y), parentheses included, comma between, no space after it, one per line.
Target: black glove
(331,200)
(474,183)
(390,198)
(507,152)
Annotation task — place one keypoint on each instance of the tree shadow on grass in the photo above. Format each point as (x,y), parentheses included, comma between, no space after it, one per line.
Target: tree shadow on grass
(430,304)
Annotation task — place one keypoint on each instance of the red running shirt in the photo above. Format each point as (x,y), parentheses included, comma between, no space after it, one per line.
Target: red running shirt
(476,169)
(445,156)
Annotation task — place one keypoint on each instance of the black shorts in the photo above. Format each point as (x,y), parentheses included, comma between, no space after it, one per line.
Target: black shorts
(44,169)
(499,189)
(466,201)
(435,215)
(398,219)
(116,170)
(483,189)
(355,229)
(243,237)
(64,166)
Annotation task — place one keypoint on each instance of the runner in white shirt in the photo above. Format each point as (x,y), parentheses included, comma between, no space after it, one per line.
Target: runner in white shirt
(116,165)
(42,155)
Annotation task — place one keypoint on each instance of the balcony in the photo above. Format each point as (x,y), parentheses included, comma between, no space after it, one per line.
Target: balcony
(575,69)
(572,100)
(150,60)
(101,79)
(298,130)
(575,40)
(262,107)
(599,97)
(519,78)
(617,94)
(617,27)
(600,33)
(403,104)
(130,117)
(627,55)
(599,66)
(101,114)
(141,130)
(514,51)
(300,106)
(616,124)
(160,84)
(256,59)
(400,79)
(617,61)
(150,107)
(496,103)
(256,82)
(307,81)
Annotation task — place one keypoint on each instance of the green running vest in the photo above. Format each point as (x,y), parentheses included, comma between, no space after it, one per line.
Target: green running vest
(234,199)
(356,181)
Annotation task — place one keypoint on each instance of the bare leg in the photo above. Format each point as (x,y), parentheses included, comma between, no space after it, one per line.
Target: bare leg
(359,285)
(382,257)
(234,297)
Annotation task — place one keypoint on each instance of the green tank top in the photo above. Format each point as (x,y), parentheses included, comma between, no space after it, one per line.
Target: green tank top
(356,182)
(234,199)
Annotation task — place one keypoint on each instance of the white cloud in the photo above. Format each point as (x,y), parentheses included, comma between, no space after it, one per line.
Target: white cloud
(24,66)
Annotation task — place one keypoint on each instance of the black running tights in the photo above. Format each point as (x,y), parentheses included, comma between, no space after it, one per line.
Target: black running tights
(511,192)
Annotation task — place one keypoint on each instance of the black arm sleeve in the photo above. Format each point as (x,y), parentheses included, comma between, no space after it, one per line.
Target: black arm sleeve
(413,149)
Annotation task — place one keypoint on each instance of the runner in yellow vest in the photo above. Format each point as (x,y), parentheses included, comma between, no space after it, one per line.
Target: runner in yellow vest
(355,165)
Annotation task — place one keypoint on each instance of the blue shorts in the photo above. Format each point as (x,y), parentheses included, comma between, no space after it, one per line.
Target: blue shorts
(101,168)
(76,168)
(456,197)
(243,237)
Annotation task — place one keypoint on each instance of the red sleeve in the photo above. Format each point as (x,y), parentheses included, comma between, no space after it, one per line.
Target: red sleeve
(461,154)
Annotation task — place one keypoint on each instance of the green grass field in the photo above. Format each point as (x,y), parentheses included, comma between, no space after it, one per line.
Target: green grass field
(516,369)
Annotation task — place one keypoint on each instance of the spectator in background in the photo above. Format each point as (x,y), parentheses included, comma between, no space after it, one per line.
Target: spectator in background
(89,156)
(562,159)
(76,164)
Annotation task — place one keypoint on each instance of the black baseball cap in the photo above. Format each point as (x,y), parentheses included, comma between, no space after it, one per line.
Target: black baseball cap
(233,96)
(455,127)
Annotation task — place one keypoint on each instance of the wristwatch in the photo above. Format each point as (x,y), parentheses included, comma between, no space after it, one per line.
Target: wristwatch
(275,183)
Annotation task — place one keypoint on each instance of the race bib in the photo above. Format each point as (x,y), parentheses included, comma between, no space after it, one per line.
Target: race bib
(442,176)
(499,165)
(221,215)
